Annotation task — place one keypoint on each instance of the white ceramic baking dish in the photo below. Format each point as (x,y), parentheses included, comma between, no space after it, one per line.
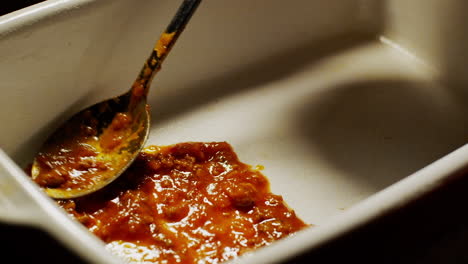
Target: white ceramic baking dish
(347,104)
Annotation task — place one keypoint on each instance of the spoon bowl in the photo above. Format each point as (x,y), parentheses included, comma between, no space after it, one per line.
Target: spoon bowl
(92,148)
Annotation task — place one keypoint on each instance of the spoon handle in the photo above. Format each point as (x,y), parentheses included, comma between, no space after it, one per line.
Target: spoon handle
(152,65)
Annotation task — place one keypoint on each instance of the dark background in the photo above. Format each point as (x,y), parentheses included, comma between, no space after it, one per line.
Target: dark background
(8,6)
(431,230)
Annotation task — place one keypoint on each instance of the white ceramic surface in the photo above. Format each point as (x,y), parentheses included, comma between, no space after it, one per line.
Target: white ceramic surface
(339,100)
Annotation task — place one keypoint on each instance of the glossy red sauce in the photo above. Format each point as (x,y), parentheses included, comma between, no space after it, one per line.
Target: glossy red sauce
(76,163)
(186,203)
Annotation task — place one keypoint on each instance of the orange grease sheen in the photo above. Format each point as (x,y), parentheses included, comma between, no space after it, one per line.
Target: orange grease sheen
(186,203)
(116,132)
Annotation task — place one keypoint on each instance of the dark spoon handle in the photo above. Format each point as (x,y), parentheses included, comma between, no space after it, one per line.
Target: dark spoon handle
(182,16)
(161,49)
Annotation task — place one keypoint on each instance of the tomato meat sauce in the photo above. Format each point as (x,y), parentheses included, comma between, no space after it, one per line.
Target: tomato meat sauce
(77,163)
(186,203)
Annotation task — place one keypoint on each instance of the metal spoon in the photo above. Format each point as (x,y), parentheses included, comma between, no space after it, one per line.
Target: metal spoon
(96,145)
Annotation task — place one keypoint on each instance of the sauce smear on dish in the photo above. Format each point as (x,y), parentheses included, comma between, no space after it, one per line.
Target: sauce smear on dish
(186,203)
